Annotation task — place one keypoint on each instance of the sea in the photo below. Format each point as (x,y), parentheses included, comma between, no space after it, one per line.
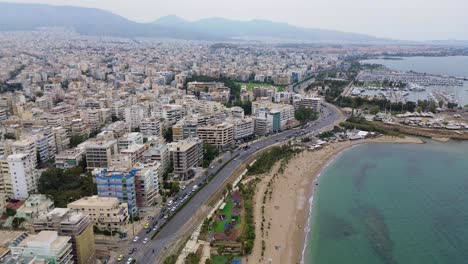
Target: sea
(395,203)
(455,66)
(392,204)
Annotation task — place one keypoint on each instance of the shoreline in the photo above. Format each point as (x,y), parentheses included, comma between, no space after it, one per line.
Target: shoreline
(293,196)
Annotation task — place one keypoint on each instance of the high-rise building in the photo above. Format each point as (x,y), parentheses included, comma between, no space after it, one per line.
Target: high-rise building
(119,183)
(151,127)
(76,225)
(186,155)
(100,152)
(23,175)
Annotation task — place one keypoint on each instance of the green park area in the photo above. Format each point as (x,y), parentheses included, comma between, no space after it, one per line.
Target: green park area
(227,212)
(250,86)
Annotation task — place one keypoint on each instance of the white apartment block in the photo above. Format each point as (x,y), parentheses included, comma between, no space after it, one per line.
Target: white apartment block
(243,127)
(311,102)
(106,213)
(134,115)
(150,127)
(47,246)
(23,175)
(158,152)
(129,139)
(172,113)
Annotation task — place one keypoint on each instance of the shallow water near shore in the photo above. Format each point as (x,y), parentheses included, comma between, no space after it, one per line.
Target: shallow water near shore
(392,203)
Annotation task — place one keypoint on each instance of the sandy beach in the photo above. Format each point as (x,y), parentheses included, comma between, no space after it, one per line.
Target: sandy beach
(286,210)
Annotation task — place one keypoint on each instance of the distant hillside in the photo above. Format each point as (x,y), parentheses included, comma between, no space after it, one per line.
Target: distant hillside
(88,21)
(260,29)
(99,22)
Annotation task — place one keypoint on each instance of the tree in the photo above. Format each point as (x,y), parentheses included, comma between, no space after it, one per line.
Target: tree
(210,152)
(305,115)
(10,136)
(192,258)
(65,186)
(172,259)
(168,135)
(76,140)
(208,261)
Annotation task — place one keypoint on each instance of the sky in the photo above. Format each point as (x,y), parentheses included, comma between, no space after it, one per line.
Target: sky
(395,19)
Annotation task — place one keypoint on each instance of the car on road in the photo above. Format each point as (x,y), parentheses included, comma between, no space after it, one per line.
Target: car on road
(131,261)
(155,228)
(135,239)
(145,240)
(211,167)
(120,258)
(166,217)
(182,187)
(170,202)
(173,209)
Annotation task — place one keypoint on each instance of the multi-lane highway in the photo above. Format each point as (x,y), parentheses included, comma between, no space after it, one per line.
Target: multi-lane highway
(170,232)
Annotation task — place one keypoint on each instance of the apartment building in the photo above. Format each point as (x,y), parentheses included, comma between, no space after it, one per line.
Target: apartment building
(70,223)
(100,152)
(119,128)
(26,146)
(134,152)
(158,152)
(243,127)
(45,247)
(220,135)
(70,158)
(62,140)
(134,115)
(146,184)
(129,139)
(172,113)
(186,155)
(311,102)
(106,213)
(151,126)
(119,183)
(35,204)
(5,177)
(185,128)
(23,175)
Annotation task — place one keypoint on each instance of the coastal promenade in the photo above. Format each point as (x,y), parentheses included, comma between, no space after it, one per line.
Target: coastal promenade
(176,231)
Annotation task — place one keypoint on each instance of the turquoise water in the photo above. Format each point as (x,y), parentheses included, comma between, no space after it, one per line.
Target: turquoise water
(391,203)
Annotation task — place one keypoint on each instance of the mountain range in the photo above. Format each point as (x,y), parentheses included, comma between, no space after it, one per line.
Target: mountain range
(92,21)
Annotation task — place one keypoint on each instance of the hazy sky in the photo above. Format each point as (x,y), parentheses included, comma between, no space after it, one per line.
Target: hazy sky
(398,19)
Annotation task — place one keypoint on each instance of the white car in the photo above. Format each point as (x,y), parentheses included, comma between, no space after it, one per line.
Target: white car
(170,202)
(173,209)
(129,261)
(166,217)
(135,239)
(155,228)
(182,187)
(145,240)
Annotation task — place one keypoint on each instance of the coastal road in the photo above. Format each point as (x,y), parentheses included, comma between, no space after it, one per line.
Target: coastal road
(171,231)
